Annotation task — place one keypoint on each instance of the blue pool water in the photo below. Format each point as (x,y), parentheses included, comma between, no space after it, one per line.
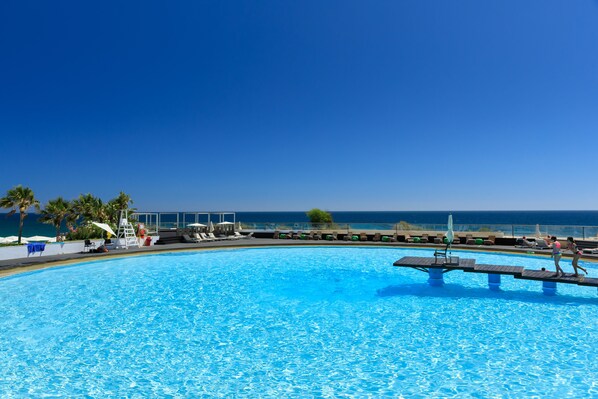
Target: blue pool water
(289,322)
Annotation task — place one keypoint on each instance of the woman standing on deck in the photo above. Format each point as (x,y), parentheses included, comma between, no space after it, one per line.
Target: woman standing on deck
(556,255)
(572,246)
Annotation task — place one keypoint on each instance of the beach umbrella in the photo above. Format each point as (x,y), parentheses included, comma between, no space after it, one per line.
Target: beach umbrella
(196,225)
(105,227)
(450,234)
(238,227)
(38,238)
(224,223)
(538,234)
(210,227)
(13,239)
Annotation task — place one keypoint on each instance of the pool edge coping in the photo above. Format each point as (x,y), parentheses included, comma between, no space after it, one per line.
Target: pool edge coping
(42,264)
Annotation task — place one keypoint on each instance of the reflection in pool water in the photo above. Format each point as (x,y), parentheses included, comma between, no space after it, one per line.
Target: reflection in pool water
(293,322)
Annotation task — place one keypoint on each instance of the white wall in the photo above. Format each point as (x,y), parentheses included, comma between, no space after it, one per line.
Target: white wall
(56,248)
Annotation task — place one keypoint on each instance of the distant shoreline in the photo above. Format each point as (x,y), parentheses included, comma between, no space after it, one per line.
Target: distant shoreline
(9,226)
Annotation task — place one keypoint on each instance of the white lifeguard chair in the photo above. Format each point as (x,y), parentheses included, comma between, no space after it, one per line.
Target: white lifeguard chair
(125,237)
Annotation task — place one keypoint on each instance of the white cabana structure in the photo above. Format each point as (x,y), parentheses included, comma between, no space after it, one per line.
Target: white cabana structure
(226,227)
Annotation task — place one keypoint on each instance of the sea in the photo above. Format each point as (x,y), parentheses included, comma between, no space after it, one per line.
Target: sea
(9,225)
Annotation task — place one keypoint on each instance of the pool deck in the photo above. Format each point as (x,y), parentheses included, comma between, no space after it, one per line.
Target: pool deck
(13,266)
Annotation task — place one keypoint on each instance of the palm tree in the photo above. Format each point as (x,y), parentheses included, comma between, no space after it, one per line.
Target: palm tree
(118,204)
(72,217)
(122,201)
(21,198)
(55,212)
(90,208)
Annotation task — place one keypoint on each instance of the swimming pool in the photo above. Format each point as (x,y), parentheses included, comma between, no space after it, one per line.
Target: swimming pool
(288,322)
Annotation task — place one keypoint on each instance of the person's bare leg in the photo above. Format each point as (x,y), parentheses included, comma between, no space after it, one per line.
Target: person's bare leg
(557,258)
(576,266)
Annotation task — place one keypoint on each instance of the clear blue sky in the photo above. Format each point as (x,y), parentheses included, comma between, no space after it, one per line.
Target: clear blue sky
(289,105)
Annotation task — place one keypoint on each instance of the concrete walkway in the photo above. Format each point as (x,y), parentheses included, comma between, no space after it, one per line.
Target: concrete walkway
(12,266)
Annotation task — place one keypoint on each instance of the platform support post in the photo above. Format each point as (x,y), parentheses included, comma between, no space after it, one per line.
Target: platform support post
(549,287)
(435,277)
(494,282)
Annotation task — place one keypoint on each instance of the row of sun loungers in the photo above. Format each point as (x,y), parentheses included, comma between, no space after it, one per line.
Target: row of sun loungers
(318,235)
(468,239)
(350,236)
(440,238)
(209,237)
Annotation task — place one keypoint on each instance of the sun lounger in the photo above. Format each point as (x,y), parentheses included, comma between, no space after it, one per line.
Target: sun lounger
(469,240)
(456,239)
(348,236)
(424,238)
(189,240)
(392,238)
(541,244)
(439,239)
(318,235)
(332,237)
(213,237)
(490,240)
(376,237)
(525,243)
(204,237)
(410,239)
(363,236)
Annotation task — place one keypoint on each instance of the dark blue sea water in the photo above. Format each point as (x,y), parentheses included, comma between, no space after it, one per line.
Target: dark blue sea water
(9,226)
(575,218)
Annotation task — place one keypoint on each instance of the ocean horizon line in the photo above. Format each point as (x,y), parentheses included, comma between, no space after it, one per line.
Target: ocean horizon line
(350,211)
(589,219)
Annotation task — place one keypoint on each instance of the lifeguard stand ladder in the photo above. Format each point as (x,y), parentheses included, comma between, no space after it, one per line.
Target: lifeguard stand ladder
(125,237)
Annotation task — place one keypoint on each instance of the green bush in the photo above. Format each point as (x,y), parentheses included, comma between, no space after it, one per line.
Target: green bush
(402,225)
(319,216)
(84,233)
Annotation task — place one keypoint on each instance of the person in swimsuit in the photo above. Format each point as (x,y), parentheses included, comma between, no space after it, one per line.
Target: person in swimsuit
(572,246)
(556,255)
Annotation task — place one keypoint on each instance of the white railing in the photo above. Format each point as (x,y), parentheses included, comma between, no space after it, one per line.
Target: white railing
(507,230)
